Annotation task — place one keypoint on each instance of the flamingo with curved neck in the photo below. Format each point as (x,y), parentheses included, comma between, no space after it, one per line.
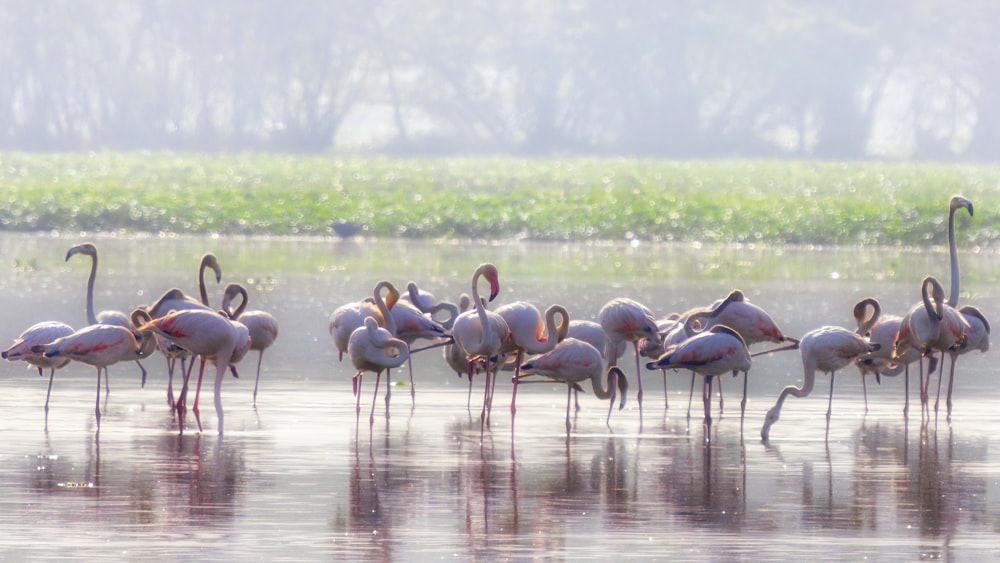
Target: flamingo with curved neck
(957,202)
(373,348)
(572,361)
(263,326)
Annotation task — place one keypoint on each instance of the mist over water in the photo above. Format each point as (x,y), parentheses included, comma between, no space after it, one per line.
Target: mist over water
(303,476)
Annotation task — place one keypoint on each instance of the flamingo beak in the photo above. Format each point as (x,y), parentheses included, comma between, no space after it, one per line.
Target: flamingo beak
(494,288)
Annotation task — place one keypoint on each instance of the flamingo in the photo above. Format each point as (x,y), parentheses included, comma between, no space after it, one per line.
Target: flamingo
(111,317)
(373,348)
(263,326)
(572,361)
(429,305)
(98,345)
(753,323)
(977,337)
(626,320)
(347,318)
(592,333)
(931,325)
(882,329)
(480,333)
(174,300)
(826,349)
(714,352)
(209,335)
(22,350)
(412,324)
(530,333)
(957,202)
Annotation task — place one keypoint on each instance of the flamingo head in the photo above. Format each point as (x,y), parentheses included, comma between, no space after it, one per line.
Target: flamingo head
(491,275)
(958,202)
(83,248)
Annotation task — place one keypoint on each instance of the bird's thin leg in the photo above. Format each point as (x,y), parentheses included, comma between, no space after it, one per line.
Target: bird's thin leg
(829,404)
(569,395)
(142,382)
(906,391)
(614,392)
(743,403)
(690,395)
(197,393)
(413,390)
(388,390)
(97,403)
(107,383)
(513,396)
(721,403)
(951,383)
(638,378)
(706,398)
(171,364)
(666,396)
(52,375)
(924,384)
(220,373)
(356,381)
(937,398)
(864,386)
(371,416)
(486,396)
(256,382)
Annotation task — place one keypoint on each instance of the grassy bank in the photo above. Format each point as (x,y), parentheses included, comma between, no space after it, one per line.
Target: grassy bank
(550,199)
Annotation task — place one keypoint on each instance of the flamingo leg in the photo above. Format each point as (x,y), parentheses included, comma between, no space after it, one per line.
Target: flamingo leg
(614,391)
(356,383)
(829,404)
(906,387)
(691,395)
(371,417)
(413,390)
(256,382)
(97,404)
(666,396)
(388,390)
(951,384)
(142,382)
(638,378)
(513,397)
(220,373)
(52,375)
(171,364)
(864,386)
(743,403)
(569,396)
(706,398)
(721,403)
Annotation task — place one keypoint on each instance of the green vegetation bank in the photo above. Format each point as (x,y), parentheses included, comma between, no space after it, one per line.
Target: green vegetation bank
(768,202)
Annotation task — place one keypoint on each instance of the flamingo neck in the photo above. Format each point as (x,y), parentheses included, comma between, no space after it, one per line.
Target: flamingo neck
(91,315)
(953,252)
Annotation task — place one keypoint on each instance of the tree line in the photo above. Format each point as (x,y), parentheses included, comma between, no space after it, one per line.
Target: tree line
(657,78)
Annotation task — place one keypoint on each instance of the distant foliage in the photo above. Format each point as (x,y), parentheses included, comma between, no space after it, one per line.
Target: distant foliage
(752,202)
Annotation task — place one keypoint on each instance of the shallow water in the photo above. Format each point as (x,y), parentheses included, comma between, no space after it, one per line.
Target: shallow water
(303,476)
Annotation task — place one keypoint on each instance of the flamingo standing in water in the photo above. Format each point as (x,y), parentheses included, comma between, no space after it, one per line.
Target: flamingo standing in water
(626,320)
(349,317)
(882,329)
(110,317)
(412,324)
(530,333)
(373,348)
(429,305)
(209,335)
(263,326)
(977,337)
(175,300)
(572,361)
(715,352)
(825,349)
(480,333)
(931,325)
(98,345)
(23,350)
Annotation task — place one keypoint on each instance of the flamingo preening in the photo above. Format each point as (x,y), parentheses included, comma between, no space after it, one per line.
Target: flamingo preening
(572,361)
(717,351)
(23,349)
(373,348)
(826,349)
(882,329)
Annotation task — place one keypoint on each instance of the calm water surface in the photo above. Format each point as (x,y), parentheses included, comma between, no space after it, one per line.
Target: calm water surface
(302,477)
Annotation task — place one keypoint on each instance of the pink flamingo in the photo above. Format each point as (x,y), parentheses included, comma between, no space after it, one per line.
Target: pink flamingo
(430,305)
(626,320)
(209,335)
(23,350)
(98,345)
(977,337)
(530,333)
(263,326)
(882,329)
(347,318)
(572,361)
(110,317)
(715,352)
(373,348)
(592,333)
(412,324)
(825,349)
(480,333)
(175,300)
(931,325)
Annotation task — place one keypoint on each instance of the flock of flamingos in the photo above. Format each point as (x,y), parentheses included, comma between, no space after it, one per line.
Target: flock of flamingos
(378,334)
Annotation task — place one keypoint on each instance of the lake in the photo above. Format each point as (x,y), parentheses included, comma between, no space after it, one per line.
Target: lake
(304,477)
